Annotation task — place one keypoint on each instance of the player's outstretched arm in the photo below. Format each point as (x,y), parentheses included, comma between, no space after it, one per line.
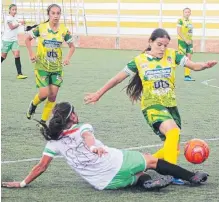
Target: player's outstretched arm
(11,26)
(29,48)
(198,66)
(94,97)
(70,53)
(35,172)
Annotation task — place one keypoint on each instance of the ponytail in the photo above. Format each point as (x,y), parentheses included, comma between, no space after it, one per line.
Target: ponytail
(28,28)
(134,88)
(58,123)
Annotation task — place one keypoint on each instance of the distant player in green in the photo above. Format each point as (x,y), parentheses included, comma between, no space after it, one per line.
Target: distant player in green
(48,60)
(10,40)
(185,43)
(101,166)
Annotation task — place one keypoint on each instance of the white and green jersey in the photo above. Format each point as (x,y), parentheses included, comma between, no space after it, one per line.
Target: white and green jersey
(98,171)
(9,34)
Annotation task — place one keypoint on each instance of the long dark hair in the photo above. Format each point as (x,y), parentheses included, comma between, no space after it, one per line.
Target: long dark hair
(134,88)
(28,28)
(58,122)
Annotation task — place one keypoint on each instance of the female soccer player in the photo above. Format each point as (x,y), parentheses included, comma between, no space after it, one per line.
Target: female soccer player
(153,83)
(9,39)
(101,166)
(49,64)
(185,44)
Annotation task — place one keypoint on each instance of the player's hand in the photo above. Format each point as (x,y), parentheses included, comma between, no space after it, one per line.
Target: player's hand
(66,62)
(210,64)
(33,58)
(11,184)
(99,151)
(22,22)
(91,98)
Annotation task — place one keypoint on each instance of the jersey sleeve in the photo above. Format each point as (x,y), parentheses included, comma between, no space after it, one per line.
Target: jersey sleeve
(180,59)
(131,68)
(9,19)
(68,37)
(86,128)
(35,32)
(179,23)
(50,149)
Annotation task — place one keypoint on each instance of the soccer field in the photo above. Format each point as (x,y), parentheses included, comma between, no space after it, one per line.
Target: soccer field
(116,121)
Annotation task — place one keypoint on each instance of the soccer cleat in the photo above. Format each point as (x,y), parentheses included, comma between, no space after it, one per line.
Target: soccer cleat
(199,177)
(188,78)
(157,184)
(177,181)
(21,76)
(31,110)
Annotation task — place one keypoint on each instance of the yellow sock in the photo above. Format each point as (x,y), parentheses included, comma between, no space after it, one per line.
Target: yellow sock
(36,100)
(171,146)
(47,110)
(159,154)
(187,71)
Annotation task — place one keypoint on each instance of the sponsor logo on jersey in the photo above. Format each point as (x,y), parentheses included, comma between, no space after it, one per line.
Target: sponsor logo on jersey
(52,43)
(158,73)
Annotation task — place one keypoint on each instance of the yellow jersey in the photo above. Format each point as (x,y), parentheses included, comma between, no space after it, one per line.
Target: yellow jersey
(49,52)
(187,28)
(157,77)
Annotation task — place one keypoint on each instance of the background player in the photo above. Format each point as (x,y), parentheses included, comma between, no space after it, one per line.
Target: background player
(10,40)
(49,64)
(185,43)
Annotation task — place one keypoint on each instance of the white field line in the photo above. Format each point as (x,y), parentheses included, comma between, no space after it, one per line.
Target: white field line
(129,148)
(206,82)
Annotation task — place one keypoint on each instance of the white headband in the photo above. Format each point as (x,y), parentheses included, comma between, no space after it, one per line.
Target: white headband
(69,112)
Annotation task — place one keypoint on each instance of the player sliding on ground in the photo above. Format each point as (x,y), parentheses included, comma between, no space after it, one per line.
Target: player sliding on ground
(49,64)
(101,166)
(153,83)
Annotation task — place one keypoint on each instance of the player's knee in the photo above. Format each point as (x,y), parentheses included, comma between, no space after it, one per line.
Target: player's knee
(150,161)
(17,55)
(43,94)
(4,55)
(52,97)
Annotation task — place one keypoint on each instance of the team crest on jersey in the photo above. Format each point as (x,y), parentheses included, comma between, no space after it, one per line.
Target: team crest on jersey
(144,65)
(44,34)
(169,59)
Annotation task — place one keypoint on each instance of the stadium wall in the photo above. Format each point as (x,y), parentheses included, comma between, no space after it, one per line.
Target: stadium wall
(127,24)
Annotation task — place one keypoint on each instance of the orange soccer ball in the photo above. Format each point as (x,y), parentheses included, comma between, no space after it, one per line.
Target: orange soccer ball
(196,151)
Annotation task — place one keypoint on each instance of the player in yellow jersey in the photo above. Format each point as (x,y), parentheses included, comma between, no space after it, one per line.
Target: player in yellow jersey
(185,44)
(153,83)
(49,63)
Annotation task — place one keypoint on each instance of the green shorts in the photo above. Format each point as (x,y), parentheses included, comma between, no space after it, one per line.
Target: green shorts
(133,163)
(156,114)
(184,48)
(9,45)
(44,78)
